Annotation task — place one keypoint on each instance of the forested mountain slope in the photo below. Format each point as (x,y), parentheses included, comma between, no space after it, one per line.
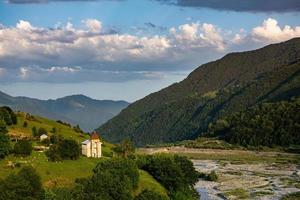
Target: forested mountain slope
(233,83)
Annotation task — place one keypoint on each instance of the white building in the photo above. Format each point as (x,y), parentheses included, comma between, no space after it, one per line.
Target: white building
(92,147)
(43,137)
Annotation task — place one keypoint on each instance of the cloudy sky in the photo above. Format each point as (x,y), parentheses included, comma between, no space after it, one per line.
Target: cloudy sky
(126,49)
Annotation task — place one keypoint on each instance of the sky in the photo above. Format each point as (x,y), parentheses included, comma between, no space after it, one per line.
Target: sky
(127,49)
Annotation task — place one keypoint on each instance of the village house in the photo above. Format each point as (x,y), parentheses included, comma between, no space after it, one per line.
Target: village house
(43,137)
(92,147)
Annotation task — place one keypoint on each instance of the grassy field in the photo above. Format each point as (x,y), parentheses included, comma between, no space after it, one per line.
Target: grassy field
(146,181)
(40,122)
(52,173)
(61,174)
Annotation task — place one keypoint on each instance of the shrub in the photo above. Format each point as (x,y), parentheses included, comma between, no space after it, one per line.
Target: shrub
(24,185)
(4,140)
(212,176)
(62,150)
(112,179)
(23,147)
(173,172)
(25,124)
(150,195)
(69,149)
(42,131)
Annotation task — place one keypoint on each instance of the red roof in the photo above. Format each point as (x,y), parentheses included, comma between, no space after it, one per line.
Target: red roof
(94,136)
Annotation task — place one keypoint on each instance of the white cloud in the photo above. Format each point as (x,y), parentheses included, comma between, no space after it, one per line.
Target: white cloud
(24,72)
(24,25)
(93,25)
(212,35)
(27,51)
(64,69)
(270,31)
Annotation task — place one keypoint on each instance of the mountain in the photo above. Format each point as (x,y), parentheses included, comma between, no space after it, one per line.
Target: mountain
(75,109)
(231,84)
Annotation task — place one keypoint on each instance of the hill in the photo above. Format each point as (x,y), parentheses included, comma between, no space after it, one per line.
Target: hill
(233,83)
(75,109)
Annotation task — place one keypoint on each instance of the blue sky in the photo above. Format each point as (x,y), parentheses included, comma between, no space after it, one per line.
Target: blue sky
(100,47)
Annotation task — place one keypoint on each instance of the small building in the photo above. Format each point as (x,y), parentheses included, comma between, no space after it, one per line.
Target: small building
(43,137)
(92,147)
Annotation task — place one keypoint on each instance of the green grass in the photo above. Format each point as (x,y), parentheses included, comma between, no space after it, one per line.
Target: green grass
(53,174)
(239,193)
(40,122)
(146,181)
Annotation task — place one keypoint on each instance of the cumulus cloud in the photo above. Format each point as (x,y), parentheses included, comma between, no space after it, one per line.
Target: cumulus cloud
(241,5)
(93,25)
(270,31)
(72,54)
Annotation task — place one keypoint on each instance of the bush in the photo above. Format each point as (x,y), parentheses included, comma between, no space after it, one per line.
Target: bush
(212,176)
(24,185)
(62,150)
(150,195)
(25,124)
(42,131)
(173,172)
(69,149)
(4,140)
(112,179)
(23,147)
(53,153)
(34,132)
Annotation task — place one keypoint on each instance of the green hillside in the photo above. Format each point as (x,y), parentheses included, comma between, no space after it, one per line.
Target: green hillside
(62,174)
(214,90)
(67,131)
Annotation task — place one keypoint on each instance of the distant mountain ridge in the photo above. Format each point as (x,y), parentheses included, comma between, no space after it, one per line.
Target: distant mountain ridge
(74,109)
(231,84)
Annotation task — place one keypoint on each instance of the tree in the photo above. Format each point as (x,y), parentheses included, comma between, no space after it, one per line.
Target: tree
(112,179)
(24,185)
(69,149)
(42,131)
(4,114)
(53,130)
(25,124)
(4,140)
(77,129)
(175,173)
(55,139)
(150,195)
(63,149)
(23,147)
(125,148)
(34,132)
(53,153)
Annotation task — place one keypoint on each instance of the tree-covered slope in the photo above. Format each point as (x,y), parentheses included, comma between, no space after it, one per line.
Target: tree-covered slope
(266,124)
(233,83)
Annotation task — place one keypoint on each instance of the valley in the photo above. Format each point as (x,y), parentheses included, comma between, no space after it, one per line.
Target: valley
(241,174)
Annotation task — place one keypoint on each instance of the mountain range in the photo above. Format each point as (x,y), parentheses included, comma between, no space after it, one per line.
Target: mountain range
(233,83)
(76,109)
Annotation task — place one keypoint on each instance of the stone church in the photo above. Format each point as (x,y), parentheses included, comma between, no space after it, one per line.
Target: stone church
(92,147)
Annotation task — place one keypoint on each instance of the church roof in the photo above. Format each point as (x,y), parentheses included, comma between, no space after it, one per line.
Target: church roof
(94,136)
(85,142)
